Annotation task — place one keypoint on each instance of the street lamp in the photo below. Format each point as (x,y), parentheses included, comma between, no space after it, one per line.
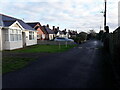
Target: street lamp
(105,14)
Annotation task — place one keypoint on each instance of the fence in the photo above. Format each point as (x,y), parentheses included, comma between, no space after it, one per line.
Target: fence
(47,42)
(114,46)
(114,41)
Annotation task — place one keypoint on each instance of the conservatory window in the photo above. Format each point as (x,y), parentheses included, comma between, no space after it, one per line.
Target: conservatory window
(15,35)
(6,35)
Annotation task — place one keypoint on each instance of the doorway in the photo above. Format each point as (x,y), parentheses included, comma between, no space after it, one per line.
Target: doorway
(24,39)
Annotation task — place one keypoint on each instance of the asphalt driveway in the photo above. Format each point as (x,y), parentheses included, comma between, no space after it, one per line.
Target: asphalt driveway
(85,66)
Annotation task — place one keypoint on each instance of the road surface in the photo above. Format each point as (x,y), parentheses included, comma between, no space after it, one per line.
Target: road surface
(85,66)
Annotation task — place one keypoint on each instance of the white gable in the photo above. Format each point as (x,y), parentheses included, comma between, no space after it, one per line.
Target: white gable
(16,25)
(58,33)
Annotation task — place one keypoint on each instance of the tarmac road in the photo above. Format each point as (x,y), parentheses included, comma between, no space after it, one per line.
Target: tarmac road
(85,66)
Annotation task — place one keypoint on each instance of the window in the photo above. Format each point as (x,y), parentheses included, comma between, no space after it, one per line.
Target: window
(11,37)
(38,36)
(43,36)
(15,35)
(31,35)
(6,35)
(19,35)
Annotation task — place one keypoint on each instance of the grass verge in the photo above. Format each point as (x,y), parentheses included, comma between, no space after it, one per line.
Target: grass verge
(14,63)
(45,48)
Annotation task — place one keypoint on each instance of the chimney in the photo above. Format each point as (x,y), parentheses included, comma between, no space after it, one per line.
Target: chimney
(53,27)
(48,25)
(57,28)
(65,30)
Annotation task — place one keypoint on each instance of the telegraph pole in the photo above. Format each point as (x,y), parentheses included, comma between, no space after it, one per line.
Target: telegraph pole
(105,14)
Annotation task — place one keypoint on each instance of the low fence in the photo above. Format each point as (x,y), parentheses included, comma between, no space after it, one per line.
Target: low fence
(46,42)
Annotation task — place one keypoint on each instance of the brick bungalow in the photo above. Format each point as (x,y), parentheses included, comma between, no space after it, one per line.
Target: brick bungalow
(58,32)
(50,33)
(41,33)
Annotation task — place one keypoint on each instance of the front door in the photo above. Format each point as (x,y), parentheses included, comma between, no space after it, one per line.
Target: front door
(24,39)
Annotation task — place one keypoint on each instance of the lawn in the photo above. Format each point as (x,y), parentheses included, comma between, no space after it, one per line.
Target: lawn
(14,63)
(45,48)
(16,59)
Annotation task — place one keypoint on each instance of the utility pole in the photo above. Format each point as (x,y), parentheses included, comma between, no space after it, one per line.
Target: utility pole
(105,14)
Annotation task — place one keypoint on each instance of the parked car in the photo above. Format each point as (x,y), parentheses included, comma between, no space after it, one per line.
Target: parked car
(63,39)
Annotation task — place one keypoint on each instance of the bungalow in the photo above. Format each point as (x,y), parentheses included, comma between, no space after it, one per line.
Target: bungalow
(41,33)
(57,32)
(72,33)
(14,33)
(66,34)
(50,33)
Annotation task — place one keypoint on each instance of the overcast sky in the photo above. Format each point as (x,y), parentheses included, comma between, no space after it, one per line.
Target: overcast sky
(80,15)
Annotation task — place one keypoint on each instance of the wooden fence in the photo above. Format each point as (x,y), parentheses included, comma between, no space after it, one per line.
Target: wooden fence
(114,45)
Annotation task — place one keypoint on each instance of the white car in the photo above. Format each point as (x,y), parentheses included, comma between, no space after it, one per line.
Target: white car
(63,39)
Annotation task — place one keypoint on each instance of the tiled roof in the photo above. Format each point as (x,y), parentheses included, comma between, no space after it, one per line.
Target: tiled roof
(55,31)
(43,29)
(49,31)
(25,26)
(1,22)
(60,32)
(7,21)
(33,24)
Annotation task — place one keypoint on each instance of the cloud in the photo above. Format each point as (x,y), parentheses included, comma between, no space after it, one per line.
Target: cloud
(80,15)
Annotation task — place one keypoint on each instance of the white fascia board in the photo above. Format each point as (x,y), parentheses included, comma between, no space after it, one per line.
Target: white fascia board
(5,27)
(30,30)
(18,24)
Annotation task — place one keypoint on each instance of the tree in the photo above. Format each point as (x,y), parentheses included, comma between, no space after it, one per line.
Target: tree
(83,36)
(107,29)
(100,35)
(91,34)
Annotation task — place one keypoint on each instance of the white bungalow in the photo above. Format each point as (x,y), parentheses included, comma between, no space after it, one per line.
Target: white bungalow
(15,34)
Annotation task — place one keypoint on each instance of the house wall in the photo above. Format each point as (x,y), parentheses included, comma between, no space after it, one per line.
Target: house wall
(51,36)
(46,36)
(31,42)
(13,45)
(60,35)
(40,33)
(63,35)
(43,36)
(10,45)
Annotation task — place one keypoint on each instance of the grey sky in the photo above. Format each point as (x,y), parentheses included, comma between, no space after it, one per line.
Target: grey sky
(80,15)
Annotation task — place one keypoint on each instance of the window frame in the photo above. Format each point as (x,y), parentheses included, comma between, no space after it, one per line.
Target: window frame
(15,35)
(31,35)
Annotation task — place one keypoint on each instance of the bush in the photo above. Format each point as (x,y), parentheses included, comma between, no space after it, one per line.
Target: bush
(79,39)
